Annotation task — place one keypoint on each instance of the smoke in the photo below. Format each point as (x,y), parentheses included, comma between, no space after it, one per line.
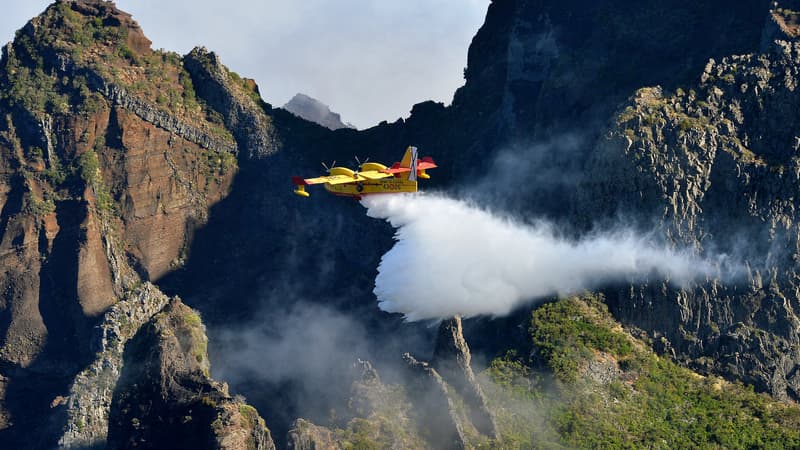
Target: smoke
(301,343)
(454,258)
(298,357)
(301,354)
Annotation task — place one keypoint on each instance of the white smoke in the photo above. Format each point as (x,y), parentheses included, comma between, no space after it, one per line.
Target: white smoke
(453,258)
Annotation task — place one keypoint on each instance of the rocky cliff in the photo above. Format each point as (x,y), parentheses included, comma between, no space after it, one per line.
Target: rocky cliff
(110,162)
(715,163)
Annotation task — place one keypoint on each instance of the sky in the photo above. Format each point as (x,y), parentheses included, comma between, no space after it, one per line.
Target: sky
(370,60)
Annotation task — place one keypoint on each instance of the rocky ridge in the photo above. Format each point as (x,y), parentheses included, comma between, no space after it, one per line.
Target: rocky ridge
(313,110)
(451,359)
(237,99)
(439,405)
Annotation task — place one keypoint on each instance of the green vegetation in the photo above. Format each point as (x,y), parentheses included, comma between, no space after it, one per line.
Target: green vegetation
(220,163)
(388,426)
(33,78)
(569,331)
(649,402)
(208,401)
(250,420)
(35,90)
(688,123)
(37,81)
(359,436)
(247,85)
(88,168)
(35,153)
(191,321)
(787,13)
(39,207)
(249,414)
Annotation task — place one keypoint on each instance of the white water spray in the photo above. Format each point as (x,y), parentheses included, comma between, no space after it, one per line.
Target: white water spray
(453,258)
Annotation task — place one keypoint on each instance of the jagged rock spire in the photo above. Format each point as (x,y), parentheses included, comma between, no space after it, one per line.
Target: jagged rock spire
(451,358)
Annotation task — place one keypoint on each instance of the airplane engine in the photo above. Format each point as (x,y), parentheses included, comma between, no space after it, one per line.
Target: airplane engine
(342,171)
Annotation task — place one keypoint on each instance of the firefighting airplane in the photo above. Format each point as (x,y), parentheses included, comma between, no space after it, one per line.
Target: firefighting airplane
(371,177)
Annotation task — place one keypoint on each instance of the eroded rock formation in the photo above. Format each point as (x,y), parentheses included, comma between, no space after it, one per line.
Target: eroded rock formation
(451,358)
(166,398)
(436,412)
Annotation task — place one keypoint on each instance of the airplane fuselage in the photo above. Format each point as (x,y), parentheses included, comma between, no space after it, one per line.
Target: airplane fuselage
(384,186)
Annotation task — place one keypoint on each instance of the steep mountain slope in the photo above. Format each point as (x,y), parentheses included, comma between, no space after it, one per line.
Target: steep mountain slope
(109,164)
(716,164)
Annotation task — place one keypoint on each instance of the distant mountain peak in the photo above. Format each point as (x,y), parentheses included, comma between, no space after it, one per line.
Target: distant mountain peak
(313,110)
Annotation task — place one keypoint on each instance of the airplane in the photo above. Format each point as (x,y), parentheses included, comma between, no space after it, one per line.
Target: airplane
(371,177)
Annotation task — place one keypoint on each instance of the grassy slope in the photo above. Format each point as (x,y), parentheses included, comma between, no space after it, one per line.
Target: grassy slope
(600,387)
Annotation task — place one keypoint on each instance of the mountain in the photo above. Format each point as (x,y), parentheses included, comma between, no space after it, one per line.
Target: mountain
(110,163)
(151,244)
(313,110)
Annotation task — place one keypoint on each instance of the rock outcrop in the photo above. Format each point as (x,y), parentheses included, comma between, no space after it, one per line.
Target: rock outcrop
(313,110)
(237,100)
(380,416)
(89,402)
(437,415)
(783,22)
(305,435)
(166,398)
(451,358)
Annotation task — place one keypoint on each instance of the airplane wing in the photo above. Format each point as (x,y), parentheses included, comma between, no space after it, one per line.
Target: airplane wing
(395,170)
(332,179)
(424,164)
(342,179)
(374,175)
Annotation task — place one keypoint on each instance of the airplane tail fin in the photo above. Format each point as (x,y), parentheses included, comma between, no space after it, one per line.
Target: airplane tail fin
(410,159)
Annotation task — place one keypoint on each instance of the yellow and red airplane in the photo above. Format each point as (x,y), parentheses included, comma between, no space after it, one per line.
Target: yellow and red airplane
(371,177)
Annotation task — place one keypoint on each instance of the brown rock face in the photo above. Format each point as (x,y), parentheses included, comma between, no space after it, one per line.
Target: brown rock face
(24,330)
(102,182)
(167,187)
(783,21)
(94,283)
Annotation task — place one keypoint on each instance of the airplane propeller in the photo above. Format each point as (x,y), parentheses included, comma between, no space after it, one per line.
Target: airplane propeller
(328,168)
(360,163)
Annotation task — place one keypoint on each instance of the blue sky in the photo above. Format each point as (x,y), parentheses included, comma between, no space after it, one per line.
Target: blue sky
(370,60)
